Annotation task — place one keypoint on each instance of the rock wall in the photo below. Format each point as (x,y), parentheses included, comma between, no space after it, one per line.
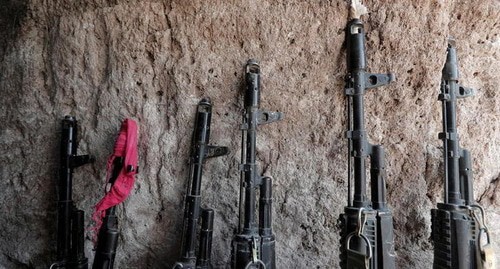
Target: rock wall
(102,61)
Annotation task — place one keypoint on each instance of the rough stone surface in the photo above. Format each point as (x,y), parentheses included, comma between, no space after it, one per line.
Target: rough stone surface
(103,61)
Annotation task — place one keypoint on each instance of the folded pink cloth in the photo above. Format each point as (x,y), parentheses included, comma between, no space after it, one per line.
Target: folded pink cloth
(126,147)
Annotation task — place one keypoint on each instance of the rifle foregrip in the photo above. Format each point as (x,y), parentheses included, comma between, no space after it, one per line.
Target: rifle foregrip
(454,236)
(268,255)
(386,253)
(268,240)
(77,254)
(354,257)
(107,244)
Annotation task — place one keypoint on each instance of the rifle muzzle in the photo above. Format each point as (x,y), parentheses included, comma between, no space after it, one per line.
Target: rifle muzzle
(450,69)
(252,94)
(355,38)
(202,122)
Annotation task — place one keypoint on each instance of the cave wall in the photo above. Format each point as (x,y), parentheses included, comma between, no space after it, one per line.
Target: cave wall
(103,61)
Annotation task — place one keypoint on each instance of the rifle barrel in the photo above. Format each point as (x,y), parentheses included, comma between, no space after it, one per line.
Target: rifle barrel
(356,63)
(449,89)
(252,102)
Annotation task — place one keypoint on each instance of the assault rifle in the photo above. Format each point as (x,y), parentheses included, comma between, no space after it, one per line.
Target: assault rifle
(458,224)
(200,150)
(367,237)
(253,246)
(108,233)
(70,220)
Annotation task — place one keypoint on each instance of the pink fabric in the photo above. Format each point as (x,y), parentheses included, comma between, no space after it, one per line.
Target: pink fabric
(125,146)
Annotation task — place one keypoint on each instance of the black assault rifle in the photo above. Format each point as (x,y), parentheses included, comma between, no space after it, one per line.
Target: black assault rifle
(70,220)
(457,224)
(200,150)
(107,241)
(253,246)
(367,237)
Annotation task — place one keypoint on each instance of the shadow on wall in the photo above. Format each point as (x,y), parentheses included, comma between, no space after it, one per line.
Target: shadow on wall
(12,12)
